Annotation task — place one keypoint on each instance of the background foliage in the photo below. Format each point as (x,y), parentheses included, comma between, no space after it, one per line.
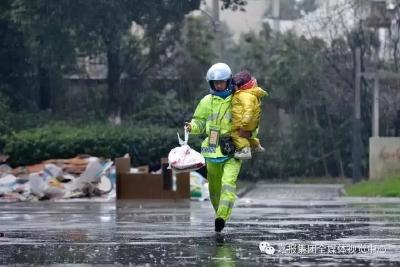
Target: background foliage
(157,56)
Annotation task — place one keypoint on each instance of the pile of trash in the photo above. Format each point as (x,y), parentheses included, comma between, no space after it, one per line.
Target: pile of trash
(79,177)
(82,176)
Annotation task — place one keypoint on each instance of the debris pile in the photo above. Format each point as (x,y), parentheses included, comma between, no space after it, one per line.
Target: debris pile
(82,176)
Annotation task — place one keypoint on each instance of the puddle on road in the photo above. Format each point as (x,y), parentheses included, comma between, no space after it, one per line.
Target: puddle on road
(183,235)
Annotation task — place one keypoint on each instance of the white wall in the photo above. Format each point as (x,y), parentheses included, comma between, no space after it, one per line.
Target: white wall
(384,156)
(242,22)
(252,19)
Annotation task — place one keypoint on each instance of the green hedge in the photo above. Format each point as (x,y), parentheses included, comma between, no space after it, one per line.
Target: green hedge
(145,144)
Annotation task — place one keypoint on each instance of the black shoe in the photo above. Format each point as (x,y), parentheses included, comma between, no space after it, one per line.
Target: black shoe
(219,224)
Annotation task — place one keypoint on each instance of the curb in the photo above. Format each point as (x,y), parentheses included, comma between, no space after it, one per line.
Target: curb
(341,192)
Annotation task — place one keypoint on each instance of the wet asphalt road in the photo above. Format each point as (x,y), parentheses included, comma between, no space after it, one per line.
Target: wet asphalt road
(305,225)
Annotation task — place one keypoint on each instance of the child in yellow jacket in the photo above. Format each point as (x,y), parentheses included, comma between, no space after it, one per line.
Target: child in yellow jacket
(246,113)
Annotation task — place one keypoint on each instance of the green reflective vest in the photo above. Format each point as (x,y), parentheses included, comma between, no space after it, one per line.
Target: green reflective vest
(213,112)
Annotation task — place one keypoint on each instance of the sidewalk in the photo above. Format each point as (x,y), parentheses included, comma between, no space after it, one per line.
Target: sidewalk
(263,190)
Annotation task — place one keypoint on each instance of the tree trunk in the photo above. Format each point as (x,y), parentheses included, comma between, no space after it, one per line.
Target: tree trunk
(113,83)
(44,89)
(309,148)
(321,148)
(338,156)
(395,56)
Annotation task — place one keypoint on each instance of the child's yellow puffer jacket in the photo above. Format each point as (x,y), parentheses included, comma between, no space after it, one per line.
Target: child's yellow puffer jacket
(246,108)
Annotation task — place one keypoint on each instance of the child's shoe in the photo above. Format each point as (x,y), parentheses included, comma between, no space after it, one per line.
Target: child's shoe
(244,153)
(258,149)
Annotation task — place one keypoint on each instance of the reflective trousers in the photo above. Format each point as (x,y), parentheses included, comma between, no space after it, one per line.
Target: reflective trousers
(222,185)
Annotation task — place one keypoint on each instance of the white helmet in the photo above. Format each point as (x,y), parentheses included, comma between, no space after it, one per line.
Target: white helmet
(219,72)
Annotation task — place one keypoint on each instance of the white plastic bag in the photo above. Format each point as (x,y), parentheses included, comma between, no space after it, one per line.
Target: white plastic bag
(52,170)
(42,184)
(93,171)
(183,158)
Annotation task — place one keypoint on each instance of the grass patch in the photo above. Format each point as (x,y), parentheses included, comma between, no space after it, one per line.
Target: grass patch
(387,187)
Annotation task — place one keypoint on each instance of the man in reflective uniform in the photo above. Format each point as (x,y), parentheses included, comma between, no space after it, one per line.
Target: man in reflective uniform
(213,117)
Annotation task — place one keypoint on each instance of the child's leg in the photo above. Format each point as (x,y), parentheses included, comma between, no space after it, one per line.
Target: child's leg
(256,146)
(238,141)
(254,142)
(242,146)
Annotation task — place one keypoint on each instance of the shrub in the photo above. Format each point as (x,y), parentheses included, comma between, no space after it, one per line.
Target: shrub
(145,144)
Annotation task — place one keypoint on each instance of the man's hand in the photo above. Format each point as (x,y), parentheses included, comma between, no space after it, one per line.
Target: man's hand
(244,134)
(188,126)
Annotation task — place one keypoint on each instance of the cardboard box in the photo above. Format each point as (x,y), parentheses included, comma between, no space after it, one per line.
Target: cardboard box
(147,185)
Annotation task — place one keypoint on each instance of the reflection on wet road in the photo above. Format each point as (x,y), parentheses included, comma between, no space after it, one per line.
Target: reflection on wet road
(305,226)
